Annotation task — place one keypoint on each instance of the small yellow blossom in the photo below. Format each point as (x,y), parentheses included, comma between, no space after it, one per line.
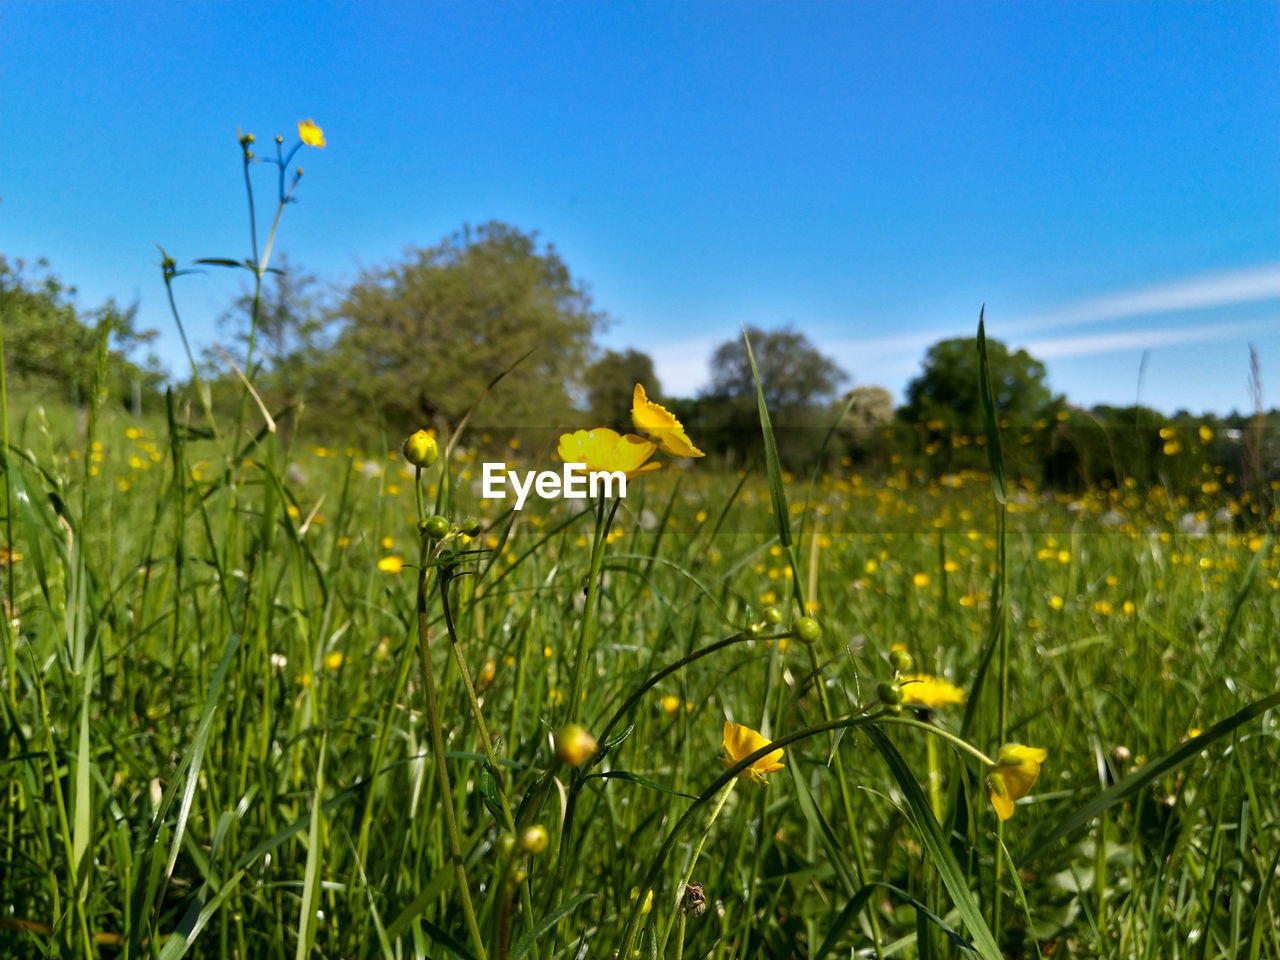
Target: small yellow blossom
(605,451)
(661,426)
(310,134)
(333,661)
(920,579)
(391,564)
(741,741)
(670,703)
(920,689)
(1013,776)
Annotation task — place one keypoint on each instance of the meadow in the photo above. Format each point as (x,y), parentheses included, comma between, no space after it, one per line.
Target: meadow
(263,697)
(220,739)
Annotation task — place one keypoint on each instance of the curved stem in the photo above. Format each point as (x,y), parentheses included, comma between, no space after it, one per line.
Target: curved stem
(951,738)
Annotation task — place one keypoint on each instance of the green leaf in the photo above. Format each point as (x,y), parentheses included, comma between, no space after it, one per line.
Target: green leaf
(637,779)
(859,900)
(525,943)
(1131,784)
(936,844)
(990,416)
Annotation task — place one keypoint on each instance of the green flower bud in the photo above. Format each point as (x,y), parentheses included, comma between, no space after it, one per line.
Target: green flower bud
(752,630)
(772,616)
(506,843)
(901,661)
(889,693)
(806,630)
(436,527)
(421,449)
(471,526)
(534,839)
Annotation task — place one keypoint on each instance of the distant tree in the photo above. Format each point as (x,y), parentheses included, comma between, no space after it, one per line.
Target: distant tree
(51,344)
(289,338)
(946,392)
(610,384)
(870,411)
(798,382)
(795,375)
(421,339)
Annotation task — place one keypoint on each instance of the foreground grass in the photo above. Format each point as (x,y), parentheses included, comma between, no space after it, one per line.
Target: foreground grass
(217,739)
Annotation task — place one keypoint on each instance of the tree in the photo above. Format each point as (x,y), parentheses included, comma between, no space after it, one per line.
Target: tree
(421,339)
(51,344)
(797,379)
(870,411)
(289,337)
(610,383)
(946,395)
(795,375)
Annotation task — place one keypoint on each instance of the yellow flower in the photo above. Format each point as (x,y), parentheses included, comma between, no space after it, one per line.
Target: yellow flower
(740,742)
(604,450)
(1013,776)
(391,564)
(919,689)
(670,703)
(661,426)
(310,134)
(334,660)
(920,579)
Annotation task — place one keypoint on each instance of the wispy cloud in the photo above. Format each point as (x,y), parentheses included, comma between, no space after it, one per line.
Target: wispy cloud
(1091,343)
(1229,288)
(682,365)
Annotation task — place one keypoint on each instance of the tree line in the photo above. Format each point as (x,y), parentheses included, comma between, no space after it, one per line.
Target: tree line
(415,342)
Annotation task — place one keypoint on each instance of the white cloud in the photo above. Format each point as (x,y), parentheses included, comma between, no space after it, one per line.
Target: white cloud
(1249,285)
(1114,341)
(682,366)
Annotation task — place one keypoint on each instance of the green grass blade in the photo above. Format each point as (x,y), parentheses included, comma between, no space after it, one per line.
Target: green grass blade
(1131,784)
(935,843)
(525,943)
(990,416)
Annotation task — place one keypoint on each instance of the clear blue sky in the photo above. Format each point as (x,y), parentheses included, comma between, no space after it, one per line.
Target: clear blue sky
(1105,177)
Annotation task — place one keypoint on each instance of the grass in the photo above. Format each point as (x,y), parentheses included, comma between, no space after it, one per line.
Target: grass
(217,740)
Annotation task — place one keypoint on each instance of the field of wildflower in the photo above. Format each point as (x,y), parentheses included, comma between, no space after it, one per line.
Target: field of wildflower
(269,699)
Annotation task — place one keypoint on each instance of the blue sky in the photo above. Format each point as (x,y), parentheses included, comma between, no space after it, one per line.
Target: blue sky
(1103,176)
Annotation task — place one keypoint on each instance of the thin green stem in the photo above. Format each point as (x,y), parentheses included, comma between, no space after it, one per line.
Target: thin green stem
(437,750)
(676,910)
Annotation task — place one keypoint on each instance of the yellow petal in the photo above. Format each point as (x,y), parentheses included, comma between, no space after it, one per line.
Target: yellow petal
(310,134)
(659,423)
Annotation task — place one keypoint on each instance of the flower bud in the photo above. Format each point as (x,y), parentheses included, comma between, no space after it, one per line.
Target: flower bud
(471,526)
(421,449)
(751,630)
(889,693)
(534,839)
(772,616)
(506,843)
(806,630)
(901,661)
(436,527)
(574,745)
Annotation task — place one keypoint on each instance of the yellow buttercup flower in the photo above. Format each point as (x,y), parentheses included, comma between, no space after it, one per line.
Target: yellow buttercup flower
(922,690)
(604,450)
(740,742)
(391,564)
(1013,776)
(661,426)
(310,134)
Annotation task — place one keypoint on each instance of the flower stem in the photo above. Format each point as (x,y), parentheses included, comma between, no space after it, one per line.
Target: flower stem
(677,908)
(437,751)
